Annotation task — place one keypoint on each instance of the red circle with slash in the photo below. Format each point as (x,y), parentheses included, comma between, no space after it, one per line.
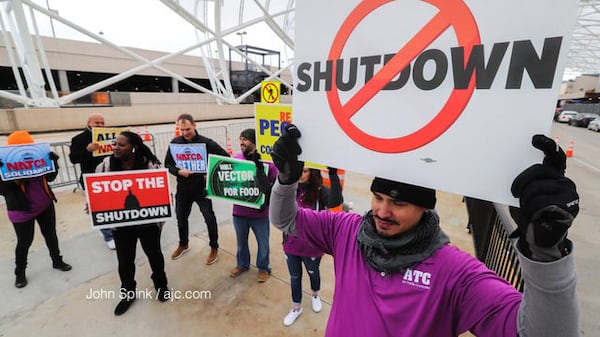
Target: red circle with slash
(451,13)
(270,93)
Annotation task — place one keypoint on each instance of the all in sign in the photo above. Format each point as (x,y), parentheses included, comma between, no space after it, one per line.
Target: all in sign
(407,83)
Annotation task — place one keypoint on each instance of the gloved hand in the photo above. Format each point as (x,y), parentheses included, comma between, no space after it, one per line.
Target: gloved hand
(285,155)
(548,204)
(332,171)
(53,156)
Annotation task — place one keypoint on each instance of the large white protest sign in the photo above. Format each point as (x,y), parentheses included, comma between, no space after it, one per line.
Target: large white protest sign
(440,93)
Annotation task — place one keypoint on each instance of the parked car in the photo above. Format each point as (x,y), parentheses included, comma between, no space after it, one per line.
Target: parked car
(594,125)
(557,112)
(582,119)
(565,116)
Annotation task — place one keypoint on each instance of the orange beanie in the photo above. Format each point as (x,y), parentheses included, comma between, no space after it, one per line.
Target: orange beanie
(19,137)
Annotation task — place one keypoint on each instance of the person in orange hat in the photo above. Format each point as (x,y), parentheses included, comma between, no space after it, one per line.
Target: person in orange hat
(28,200)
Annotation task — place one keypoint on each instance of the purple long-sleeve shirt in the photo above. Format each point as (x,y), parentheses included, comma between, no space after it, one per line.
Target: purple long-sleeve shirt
(444,295)
(441,296)
(249,212)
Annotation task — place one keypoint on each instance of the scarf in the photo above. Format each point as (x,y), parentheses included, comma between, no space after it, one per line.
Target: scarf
(395,254)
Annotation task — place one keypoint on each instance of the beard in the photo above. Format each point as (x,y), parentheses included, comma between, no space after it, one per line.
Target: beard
(386,220)
(247,151)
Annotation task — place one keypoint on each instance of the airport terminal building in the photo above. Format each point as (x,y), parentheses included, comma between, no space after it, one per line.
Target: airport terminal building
(135,93)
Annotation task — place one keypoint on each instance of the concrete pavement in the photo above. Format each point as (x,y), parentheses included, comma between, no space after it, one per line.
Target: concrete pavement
(54,303)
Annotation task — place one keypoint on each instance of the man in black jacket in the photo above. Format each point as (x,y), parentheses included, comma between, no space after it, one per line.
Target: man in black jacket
(82,148)
(191,187)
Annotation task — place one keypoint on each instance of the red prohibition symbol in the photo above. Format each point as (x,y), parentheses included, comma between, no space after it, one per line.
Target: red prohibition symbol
(453,13)
(270,93)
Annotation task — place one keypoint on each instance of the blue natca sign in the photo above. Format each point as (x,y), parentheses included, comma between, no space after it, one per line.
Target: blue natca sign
(25,161)
(190,156)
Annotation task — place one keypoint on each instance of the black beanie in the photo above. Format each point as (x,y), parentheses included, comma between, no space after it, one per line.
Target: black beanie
(249,134)
(416,195)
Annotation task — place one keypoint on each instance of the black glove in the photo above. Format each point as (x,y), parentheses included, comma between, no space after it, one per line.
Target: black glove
(548,204)
(53,156)
(285,155)
(332,171)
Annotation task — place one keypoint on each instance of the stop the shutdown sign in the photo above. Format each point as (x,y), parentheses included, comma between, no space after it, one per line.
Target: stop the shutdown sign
(439,93)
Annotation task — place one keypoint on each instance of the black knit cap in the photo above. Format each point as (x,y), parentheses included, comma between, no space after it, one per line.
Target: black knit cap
(416,195)
(249,134)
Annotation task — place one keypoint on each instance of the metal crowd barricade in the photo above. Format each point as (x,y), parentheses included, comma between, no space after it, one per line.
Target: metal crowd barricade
(491,225)
(68,174)
(234,130)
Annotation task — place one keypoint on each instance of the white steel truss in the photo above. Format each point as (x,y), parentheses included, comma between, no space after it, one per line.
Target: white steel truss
(205,16)
(214,28)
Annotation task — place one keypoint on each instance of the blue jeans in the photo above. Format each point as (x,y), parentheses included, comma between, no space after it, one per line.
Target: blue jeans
(294,263)
(107,234)
(260,227)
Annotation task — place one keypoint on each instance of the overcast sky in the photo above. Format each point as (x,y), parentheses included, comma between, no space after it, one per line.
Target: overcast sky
(149,24)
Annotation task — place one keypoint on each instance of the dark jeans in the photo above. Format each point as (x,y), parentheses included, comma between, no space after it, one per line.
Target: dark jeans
(294,263)
(126,244)
(183,208)
(25,230)
(260,227)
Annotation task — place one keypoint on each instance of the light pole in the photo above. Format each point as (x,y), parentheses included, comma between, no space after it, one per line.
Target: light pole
(241,34)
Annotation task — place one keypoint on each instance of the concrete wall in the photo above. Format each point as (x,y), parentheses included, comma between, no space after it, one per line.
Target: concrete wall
(147,108)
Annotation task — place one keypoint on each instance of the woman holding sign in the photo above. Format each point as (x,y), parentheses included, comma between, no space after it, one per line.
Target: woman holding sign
(29,200)
(311,194)
(130,153)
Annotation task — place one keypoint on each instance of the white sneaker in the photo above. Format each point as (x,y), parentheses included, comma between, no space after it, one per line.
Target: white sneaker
(291,317)
(111,244)
(316,303)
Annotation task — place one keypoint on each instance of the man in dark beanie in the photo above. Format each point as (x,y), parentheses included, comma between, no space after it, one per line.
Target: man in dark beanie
(397,275)
(250,135)
(257,220)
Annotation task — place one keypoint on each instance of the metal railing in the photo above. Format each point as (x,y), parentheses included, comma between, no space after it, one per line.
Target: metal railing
(68,173)
(491,225)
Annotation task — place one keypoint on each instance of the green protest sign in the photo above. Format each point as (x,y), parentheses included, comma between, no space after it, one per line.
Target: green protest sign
(234,180)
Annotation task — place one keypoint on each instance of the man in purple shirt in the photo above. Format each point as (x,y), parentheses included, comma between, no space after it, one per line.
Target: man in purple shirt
(396,274)
(246,218)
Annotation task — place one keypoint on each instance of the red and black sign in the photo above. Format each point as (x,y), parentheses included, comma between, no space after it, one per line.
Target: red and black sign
(128,198)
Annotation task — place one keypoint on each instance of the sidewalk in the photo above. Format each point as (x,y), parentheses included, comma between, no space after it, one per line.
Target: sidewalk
(54,303)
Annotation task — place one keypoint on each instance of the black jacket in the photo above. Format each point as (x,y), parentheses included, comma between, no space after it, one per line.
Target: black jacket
(15,193)
(80,155)
(195,182)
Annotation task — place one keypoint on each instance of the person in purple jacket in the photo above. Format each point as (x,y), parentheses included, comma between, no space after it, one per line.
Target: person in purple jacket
(246,218)
(311,194)
(397,275)
(29,200)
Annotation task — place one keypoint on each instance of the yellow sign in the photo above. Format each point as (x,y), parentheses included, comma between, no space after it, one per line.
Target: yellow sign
(271,120)
(270,92)
(105,138)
